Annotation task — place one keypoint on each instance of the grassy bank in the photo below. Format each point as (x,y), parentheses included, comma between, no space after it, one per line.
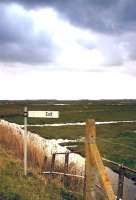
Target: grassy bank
(14,186)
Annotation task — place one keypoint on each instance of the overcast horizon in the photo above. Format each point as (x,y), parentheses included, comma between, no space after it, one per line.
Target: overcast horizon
(67,50)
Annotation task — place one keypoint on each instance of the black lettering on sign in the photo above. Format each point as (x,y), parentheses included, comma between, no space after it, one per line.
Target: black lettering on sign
(49,114)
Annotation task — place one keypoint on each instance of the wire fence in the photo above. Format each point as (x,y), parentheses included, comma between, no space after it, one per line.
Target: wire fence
(74,185)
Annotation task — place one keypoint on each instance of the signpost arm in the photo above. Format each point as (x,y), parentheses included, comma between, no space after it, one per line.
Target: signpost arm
(25,140)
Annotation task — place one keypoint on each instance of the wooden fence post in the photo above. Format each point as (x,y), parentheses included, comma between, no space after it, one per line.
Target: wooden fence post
(66,169)
(52,163)
(90,170)
(84,184)
(120,183)
(95,167)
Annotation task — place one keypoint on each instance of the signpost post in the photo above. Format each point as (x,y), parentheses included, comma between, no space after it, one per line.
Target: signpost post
(25,140)
(35,114)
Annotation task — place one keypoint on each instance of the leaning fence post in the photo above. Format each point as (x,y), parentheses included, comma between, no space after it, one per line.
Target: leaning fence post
(90,170)
(120,182)
(66,169)
(94,166)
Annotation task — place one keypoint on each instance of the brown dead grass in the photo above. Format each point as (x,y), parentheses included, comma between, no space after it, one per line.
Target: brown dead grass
(12,139)
(1,164)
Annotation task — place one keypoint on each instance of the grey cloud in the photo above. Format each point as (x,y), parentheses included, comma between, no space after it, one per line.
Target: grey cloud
(129,45)
(100,15)
(110,16)
(106,16)
(127,10)
(19,42)
(29,54)
(13,28)
(103,16)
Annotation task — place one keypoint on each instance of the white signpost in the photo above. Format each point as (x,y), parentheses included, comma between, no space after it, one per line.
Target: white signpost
(35,114)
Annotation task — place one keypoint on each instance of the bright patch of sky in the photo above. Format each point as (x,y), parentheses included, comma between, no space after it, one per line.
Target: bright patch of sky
(65,85)
(71,41)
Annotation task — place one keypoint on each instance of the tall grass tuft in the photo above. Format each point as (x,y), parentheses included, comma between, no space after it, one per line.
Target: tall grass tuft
(11,137)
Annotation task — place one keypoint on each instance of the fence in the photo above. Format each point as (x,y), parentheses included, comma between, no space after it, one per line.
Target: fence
(94,167)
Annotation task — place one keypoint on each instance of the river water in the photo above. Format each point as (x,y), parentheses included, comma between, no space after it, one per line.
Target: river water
(78,123)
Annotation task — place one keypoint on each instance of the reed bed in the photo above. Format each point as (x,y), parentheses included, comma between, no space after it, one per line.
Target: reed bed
(11,137)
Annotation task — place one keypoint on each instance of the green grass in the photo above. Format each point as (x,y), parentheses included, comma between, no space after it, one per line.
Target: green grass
(72,111)
(64,132)
(14,186)
(116,142)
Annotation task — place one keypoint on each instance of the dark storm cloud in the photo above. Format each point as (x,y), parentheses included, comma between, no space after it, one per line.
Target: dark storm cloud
(101,15)
(87,13)
(112,18)
(19,42)
(128,11)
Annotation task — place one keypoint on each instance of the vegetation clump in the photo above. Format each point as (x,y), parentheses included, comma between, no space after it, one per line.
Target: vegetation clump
(14,186)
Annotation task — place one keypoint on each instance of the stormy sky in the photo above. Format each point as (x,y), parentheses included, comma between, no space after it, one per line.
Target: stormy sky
(74,49)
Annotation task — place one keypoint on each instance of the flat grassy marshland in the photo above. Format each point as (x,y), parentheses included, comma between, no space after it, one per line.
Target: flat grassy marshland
(71,111)
(115,141)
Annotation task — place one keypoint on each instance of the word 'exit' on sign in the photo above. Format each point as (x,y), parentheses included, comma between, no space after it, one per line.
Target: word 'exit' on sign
(43,114)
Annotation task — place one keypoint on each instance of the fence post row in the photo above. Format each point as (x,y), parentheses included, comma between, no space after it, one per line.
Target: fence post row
(94,166)
(94,169)
(120,182)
